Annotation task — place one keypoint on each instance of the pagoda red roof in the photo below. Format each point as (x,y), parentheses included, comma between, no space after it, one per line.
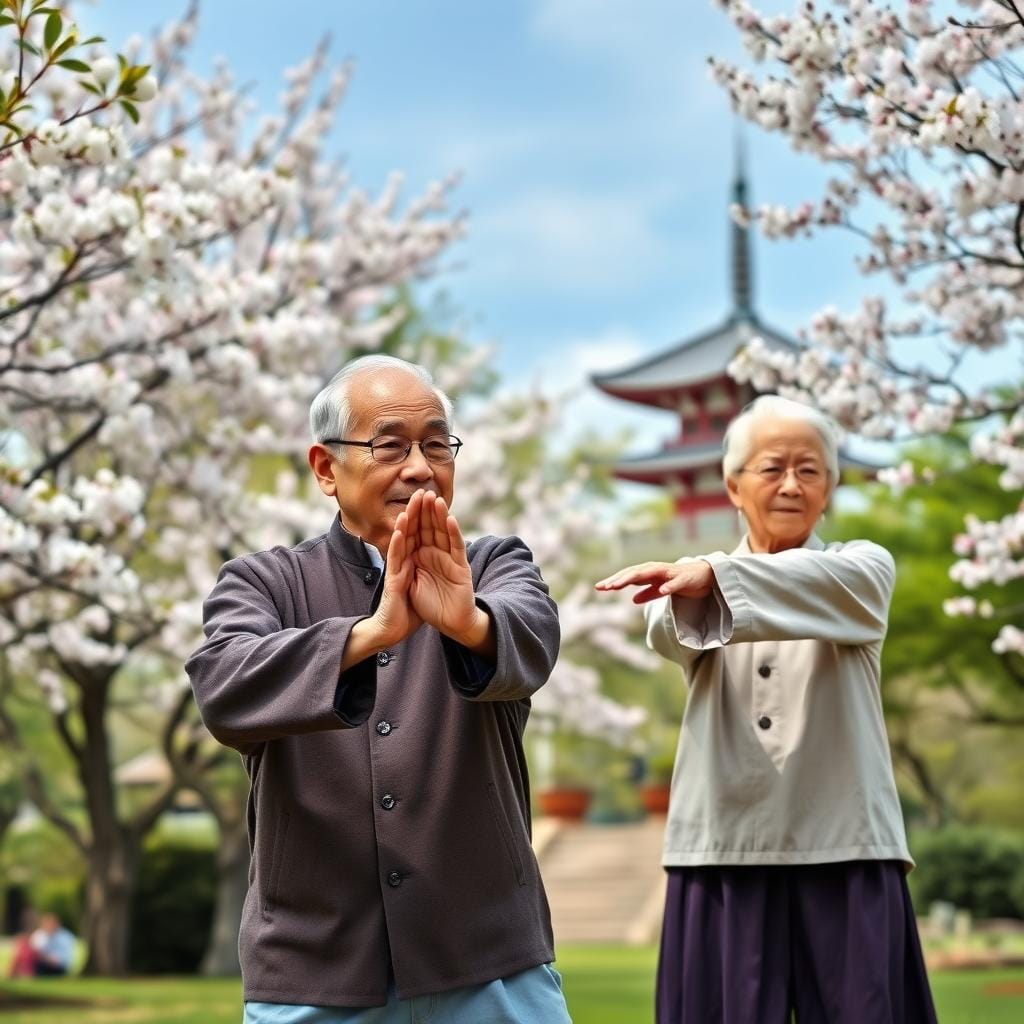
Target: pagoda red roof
(696,361)
(660,466)
(670,462)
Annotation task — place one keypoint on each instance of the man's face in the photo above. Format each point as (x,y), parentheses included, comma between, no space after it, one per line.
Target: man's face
(372,495)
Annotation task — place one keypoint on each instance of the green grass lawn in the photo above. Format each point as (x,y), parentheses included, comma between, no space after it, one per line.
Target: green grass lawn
(604,985)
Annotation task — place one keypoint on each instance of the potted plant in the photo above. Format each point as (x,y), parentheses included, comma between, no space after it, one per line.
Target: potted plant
(656,783)
(565,776)
(569,803)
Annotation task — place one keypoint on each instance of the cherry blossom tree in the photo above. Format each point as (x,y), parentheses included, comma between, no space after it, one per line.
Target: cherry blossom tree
(917,108)
(173,292)
(177,283)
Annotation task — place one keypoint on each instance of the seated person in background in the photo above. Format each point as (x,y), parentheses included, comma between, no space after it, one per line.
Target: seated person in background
(54,947)
(23,956)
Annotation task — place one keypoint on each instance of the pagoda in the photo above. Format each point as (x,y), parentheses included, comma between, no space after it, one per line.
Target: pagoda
(690,381)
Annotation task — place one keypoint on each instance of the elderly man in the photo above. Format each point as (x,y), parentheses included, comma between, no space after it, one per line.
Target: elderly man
(377,681)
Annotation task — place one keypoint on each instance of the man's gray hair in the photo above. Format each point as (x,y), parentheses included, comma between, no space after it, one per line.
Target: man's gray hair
(330,415)
(739,438)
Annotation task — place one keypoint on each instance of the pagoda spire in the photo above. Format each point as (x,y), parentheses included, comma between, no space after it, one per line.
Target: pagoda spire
(742,274)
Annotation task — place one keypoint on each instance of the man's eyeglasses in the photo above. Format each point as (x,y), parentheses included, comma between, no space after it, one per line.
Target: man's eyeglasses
(773,474)
(389,451)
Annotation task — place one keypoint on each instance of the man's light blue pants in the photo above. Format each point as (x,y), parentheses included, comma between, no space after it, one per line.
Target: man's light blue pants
(530,997)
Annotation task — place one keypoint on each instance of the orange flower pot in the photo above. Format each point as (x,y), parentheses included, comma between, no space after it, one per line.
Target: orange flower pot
(654,797)
(568,804)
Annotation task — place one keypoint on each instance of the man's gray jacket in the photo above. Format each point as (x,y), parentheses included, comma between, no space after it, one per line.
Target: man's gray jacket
(389,814)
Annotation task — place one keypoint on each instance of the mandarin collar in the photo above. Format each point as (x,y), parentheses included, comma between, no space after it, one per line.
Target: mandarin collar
(813,543)
(347,546)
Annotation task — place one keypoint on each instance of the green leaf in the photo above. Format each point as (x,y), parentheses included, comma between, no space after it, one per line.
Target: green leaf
(93,39)
(65,46)
(133,75)
(26,45)
(6,19)
(91,88)
(53,29)
(131,110)
(75,65)
(122,62)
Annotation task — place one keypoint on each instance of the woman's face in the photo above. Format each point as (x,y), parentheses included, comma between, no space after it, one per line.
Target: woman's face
(783,487)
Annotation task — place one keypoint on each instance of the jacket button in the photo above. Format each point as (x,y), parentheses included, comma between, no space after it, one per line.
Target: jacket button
(387,801)
(383,657)
(394,879)
(764,671)
(764,722)
(368,576)
(383,728)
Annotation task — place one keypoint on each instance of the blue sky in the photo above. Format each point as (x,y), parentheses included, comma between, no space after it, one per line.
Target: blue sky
(596,159)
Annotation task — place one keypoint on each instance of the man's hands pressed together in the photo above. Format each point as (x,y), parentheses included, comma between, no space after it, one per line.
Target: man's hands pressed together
(441,590)
(427,579)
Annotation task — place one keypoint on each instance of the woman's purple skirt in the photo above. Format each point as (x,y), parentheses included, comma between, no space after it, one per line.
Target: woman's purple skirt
(834,943)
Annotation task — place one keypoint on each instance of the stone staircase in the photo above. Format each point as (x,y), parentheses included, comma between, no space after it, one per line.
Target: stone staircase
(604,882)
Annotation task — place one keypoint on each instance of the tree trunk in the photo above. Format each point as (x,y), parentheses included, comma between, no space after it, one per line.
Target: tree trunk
(110,882)
(114,850)
(221,956)
(936,806)
(7,816)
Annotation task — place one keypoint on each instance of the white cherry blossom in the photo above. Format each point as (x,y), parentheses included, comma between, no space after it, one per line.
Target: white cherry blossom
(917,109)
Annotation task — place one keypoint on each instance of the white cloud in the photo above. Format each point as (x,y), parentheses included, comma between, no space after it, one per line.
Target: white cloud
(621,29)
(564,372)
(653,46)
(575,241)
(479,152)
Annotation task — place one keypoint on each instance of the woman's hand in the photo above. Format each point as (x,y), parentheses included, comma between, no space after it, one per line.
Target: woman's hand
(693,578)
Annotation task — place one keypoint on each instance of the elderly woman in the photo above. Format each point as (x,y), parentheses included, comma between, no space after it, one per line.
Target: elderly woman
(785,847)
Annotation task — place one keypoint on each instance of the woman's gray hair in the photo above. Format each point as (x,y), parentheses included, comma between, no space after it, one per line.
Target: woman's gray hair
(739,438)
(330,415)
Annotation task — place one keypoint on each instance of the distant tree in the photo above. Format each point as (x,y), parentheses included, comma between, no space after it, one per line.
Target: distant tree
(929,646)
(174,289)
(11,796)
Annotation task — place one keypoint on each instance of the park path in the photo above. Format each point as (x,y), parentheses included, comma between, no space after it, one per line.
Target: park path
(605,883)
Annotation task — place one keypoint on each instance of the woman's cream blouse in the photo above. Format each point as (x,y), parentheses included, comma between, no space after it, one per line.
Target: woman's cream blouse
(783,756)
